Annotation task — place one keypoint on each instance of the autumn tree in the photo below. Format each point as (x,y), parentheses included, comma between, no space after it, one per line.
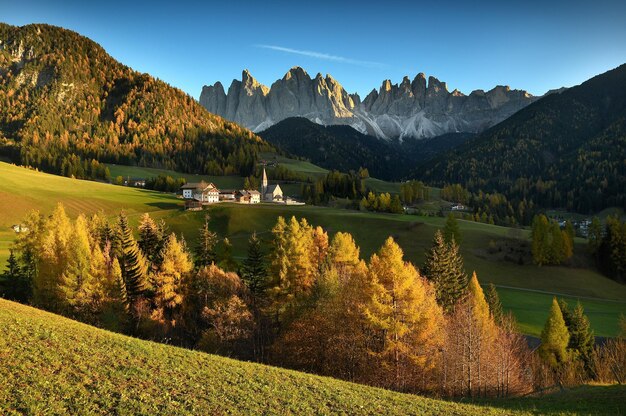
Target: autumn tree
(168,281)
(404,310)
(215,311)
(52,261)
(444,267)
(471,339)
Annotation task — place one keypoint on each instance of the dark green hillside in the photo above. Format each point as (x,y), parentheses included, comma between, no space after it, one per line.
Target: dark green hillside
(64,101)
(336,147)
(344,148)
(567,150)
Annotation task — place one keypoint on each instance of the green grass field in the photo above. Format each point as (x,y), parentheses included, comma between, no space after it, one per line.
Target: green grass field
(226,182)
(22,189)
(53,365)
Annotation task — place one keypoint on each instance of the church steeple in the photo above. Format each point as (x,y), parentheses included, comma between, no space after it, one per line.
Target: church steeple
(264,184)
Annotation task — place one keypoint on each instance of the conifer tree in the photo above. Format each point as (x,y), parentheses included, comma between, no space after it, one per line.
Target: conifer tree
(554,338)
(14,284)
(451,230)
(52,261)
(132,262)
(444,267)
(343,254)
(227,261)
(581,341)
(205,248)
(493,300)
(168,280)
(403,307)
(151,241)
(254,271)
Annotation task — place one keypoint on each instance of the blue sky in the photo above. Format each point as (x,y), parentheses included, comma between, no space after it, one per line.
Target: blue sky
(532,45)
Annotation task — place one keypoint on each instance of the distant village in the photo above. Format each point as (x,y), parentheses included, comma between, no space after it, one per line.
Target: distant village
(196,195)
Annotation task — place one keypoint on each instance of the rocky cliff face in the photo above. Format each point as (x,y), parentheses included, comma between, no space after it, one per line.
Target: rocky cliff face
(416,109)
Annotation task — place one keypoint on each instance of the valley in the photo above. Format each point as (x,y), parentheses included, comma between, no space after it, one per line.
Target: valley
(35,190)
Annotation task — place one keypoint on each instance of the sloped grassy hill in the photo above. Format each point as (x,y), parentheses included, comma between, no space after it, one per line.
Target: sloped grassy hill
(53,365)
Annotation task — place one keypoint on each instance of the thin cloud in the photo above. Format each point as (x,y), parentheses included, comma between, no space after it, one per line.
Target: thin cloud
(325,56)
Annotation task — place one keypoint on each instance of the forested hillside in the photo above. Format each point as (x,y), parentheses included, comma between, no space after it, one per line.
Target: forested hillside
(64,102)
(343,148)
(566,150)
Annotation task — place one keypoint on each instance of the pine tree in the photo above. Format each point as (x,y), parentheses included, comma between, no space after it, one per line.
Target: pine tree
(205,248)
(227,261)
(14,284)
(444,267)
(151,241)
(540,240)
(254,271)
(554,338)
(451,230)
(132,262)
(493,300)
(582,340)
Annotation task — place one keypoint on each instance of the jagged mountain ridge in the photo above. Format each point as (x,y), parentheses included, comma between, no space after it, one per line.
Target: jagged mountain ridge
(411,109)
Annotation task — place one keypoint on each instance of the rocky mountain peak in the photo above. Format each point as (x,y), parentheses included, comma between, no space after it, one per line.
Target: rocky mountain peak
(419,108)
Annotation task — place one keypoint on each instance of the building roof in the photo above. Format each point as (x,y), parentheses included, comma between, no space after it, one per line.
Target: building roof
(254,192)
(272,188)
(202,185)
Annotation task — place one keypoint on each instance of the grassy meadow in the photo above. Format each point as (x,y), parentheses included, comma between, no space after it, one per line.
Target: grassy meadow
(604,300)
(53,365)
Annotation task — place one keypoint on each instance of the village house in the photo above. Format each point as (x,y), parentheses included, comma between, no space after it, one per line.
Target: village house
(248,197)
(228,195)
(204,192)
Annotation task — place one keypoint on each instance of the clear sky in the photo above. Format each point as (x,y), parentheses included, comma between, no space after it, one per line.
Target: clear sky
(531,45)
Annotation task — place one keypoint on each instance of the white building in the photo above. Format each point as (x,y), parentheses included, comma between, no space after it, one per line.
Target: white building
(206,193)
(270,193)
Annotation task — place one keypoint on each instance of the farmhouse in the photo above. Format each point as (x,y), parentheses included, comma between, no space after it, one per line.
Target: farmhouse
(248,197)
(206,193)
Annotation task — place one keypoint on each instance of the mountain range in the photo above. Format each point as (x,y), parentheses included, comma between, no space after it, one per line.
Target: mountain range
(412,109)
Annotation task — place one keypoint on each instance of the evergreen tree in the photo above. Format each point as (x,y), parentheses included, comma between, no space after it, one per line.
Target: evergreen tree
(254,272)
(14,284)
(151,240)
(493,300)
(594,236)
(132,262)
(444,267)
(582,340)
(205,248)
(451,230)
(227,261)
(554,338)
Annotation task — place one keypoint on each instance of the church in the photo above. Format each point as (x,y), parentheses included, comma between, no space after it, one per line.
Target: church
(270,193)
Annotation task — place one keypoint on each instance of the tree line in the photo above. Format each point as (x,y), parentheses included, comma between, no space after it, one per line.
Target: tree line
(300,299)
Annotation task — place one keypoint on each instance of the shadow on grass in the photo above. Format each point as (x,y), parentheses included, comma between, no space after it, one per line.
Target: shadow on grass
(582,400)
